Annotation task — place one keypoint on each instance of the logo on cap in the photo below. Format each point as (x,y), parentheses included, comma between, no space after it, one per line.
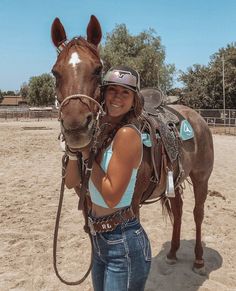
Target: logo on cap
(120,74)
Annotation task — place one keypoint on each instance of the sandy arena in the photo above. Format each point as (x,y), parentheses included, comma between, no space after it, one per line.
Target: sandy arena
(30,159)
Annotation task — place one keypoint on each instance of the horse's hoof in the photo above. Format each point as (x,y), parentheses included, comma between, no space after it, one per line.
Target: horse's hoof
(200,271)
(171,261)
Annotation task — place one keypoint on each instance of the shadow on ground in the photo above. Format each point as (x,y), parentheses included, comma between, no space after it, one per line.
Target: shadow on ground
(180,277)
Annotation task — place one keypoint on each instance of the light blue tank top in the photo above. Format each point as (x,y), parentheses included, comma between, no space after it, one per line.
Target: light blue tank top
(126,199)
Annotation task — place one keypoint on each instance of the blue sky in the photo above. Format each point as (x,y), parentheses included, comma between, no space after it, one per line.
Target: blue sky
(190,30)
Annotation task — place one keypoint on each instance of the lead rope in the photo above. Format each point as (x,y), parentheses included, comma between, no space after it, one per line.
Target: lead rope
(82,201)
(57,224)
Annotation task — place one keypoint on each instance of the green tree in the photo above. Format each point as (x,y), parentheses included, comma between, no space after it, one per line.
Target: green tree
(225,59)
(8,93)
(143,52)
(203,85)
(195,93)
(41,90)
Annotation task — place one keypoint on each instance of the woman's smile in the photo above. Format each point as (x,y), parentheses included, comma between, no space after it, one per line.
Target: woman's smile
(119,100)
(115,105)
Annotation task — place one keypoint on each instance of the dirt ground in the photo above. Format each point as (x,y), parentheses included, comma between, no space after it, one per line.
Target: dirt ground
(30,159)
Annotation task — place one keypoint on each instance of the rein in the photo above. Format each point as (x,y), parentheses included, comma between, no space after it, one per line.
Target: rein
(83,189)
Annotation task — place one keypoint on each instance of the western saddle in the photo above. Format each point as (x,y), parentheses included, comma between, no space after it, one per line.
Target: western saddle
(161,124)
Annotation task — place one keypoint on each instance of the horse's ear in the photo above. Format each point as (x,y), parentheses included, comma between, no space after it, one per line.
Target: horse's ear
(94,32)
(58,33)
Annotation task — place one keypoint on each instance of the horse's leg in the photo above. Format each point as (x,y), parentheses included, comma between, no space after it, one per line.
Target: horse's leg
(200,192)
(176,207)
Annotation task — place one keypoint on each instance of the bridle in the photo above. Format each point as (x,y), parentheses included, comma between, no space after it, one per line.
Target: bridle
(86,173)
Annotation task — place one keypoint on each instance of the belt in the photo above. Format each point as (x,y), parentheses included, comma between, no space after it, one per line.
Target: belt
(110,222)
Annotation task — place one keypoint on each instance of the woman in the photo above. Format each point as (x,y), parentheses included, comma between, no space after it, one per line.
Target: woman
(122,254)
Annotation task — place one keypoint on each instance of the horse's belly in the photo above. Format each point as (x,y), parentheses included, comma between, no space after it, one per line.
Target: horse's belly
(157,192)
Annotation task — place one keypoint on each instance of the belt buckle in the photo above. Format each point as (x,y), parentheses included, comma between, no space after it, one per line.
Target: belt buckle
(106,226)
(91,227)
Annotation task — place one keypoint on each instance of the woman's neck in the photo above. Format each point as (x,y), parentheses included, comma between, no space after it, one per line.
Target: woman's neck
(113,120)
(110,126)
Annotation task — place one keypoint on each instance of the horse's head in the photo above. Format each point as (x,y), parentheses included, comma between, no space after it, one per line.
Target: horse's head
(78,72)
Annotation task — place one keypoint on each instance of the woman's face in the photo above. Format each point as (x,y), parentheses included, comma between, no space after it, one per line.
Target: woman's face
(119,100)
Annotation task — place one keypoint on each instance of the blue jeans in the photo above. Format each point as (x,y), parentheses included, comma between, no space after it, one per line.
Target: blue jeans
(122,258)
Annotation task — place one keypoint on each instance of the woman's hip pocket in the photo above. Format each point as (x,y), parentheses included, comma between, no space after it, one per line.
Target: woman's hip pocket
(144,243)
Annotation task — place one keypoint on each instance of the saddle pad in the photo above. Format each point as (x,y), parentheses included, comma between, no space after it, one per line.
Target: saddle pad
(186,130)
(146,140)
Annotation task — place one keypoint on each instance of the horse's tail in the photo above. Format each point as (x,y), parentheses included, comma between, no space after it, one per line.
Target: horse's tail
(166,208)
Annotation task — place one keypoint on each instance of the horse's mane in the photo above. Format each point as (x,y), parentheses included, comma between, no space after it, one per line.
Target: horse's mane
(80,41)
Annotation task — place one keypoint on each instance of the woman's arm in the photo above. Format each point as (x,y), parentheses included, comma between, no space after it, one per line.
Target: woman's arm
(127,150)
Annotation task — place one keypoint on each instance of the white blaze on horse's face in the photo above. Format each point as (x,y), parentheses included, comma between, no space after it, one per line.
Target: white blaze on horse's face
(74,59)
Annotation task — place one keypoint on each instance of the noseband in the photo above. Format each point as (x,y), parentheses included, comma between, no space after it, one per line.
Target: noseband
(78,96)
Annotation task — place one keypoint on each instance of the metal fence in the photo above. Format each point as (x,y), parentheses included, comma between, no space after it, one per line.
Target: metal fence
(214,117)
(218,122)
(25,113)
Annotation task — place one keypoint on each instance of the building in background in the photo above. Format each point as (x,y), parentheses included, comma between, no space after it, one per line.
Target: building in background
(13,101)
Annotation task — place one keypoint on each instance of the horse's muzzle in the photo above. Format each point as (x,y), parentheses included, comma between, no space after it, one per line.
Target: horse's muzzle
(77,137)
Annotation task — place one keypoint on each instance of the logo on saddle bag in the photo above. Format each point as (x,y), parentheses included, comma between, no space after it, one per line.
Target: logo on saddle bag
(186,130)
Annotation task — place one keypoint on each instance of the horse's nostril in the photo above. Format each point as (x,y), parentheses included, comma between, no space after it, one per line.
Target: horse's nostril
(89,119)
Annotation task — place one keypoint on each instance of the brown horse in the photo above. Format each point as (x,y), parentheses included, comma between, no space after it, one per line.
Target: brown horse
(77,71)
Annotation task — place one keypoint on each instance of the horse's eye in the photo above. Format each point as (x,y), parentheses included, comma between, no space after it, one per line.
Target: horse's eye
(56,74)
(97,72)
